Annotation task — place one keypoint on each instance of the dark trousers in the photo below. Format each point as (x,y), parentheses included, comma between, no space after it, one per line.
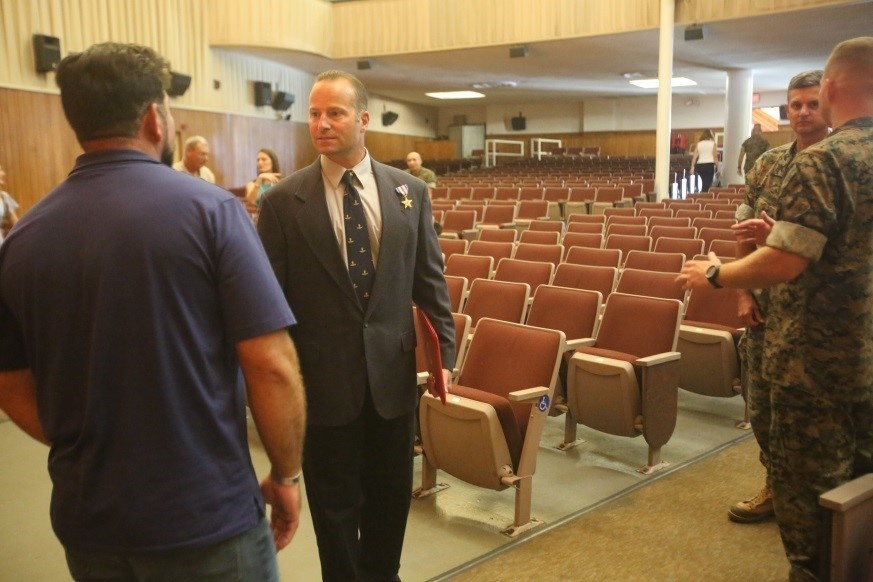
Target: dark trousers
(359,484)
(706,173)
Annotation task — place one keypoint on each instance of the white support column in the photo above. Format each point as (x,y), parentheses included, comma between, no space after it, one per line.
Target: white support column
(665,99)
(738,120)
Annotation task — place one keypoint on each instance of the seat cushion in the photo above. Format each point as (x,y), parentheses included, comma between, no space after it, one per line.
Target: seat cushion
(505,414)
(604,353)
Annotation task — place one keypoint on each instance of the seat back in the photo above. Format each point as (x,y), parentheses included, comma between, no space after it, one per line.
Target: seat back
(462,337)
(654,261)
(498,235)
(497,214)
(451,246)
(534,273)
(506,193)
(457,291)
(530,193)
(626,243)
(628,229)
(657,232)
(714,306)
(710,234)
(482,193)
(624,219)
(655,212)
(455,221)
(573,311)
(501,300)
(581,239)
(509,357)
(581,193)
(650,284)
(723,248)
(667,221)
(439,192)
(609,194)
(594,256)
(681,212)
(532,210)
(540,237)
(612,211)
(547,226)
(586,227)
(622,329)
(556,193)
(469,266)
(589,218)
(495,250)
(543,253)
(699,223)
(600,279)
(687,246)
(459,192)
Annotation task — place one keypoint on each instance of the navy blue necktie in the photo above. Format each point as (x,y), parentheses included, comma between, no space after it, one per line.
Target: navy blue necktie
(360,257)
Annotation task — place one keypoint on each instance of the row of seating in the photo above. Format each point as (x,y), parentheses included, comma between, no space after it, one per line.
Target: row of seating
(622,379)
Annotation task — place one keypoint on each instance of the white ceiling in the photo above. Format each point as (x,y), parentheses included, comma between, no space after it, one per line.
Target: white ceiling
(774,48)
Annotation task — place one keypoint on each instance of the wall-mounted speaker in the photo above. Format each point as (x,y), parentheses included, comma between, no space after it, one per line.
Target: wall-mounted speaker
(518,51)
(519,123)
(282,100)
(179,83)
(783,112)
(263,93)
(389,117)
(694,32)
(364,64)
(46,53)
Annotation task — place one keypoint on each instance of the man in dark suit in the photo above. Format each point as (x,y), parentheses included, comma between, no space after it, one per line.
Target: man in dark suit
(355,331)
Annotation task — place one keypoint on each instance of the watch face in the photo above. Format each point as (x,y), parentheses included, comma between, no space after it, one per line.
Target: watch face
(711,271)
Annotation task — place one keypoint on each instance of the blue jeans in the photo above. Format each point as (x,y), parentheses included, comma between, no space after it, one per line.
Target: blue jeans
(250,556)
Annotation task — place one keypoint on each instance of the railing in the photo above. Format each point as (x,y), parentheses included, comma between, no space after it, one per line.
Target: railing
(537,143)
(493,151)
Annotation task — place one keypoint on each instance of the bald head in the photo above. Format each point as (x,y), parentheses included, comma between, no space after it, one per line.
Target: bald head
(847,83)
(413,161)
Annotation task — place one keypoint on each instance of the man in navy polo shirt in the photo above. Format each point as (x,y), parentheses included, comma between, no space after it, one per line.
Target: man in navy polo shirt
(131,298)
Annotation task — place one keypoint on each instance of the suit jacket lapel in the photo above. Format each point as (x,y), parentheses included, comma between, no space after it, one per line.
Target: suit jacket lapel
(395,232)
(316,227)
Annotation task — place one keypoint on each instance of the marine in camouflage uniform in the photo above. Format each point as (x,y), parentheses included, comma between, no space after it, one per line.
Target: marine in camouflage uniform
(763,184)
(818,343)
(754,147)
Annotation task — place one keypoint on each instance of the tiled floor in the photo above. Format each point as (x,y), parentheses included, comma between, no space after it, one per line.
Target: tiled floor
(445,531)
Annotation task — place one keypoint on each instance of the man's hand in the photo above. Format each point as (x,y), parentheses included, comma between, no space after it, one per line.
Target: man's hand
(694,272)
(747,309)
(754,229)
(285,510)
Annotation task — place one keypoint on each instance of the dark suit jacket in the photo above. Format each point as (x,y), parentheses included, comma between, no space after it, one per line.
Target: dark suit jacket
(341,348)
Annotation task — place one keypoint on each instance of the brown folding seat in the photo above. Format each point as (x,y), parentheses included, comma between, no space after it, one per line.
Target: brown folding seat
(588,277)
(498,235)
(626,229)
(625,381)
(536,252)
(488,432)
(540,237)
(658,232)
(503,300)
(619,211)
(655,261)
(495,250)
(650,284)
(439,193)
(573,311)
(556,196)
(457,291)
(687,246)
(666,221)
(469,266)
(531,193)
(723,248)
(710,234)
(450,246)
(722,223)
(547,226)
(627,242)
(530,210)
(498,216)
(578,200)
(506,193)
(482,193)
(594,256)
(459,224)
(586,227)
(534,273)
(653,212)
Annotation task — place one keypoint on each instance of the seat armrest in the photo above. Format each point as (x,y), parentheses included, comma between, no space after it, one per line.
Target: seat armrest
(848,494)
(528,394)
(624,203)
(656,359)
(585,342)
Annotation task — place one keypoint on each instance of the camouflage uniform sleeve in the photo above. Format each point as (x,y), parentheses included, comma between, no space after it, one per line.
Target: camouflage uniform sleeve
(746,210)
(807,213)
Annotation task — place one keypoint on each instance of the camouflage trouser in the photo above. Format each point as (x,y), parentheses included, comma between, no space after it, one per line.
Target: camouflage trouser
(817,442)
(751,347)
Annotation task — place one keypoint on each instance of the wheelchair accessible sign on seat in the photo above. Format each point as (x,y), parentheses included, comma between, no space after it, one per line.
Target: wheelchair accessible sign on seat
(543,404)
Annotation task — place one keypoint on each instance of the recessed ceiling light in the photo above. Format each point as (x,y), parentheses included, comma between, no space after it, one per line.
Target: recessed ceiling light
(456,95)
(653,83)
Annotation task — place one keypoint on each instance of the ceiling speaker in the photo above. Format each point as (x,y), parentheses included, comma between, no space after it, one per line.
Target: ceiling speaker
(364,64)
(46,53)
(389,117)
(179,83)
(263,93)
(694,33)
(282,100)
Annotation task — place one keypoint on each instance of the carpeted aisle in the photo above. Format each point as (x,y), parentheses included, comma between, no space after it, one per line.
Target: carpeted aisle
(674,529)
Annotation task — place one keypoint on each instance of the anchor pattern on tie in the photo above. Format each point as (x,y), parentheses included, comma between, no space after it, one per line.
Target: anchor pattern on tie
(360,258)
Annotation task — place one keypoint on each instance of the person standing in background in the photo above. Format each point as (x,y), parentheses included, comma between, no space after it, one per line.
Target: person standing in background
(763,186)
(267,164)
(752,148)
(703,159)
(8,207)
(413,163)
(194,158)
(353,245)
(131,339)
(818,340)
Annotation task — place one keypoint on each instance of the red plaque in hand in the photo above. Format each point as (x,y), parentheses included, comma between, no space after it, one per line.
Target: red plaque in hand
(435,381)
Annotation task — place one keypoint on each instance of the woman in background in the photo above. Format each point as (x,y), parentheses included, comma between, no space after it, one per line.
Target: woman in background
(268,176)
(703,158)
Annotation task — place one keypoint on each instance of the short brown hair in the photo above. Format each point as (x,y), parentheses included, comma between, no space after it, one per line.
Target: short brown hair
(361,97)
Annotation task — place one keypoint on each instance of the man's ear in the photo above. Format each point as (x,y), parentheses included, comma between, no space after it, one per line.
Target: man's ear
(151,125)
(365,120)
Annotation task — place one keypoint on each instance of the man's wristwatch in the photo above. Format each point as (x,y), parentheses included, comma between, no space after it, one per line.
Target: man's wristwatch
(287,481)
(712,275)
